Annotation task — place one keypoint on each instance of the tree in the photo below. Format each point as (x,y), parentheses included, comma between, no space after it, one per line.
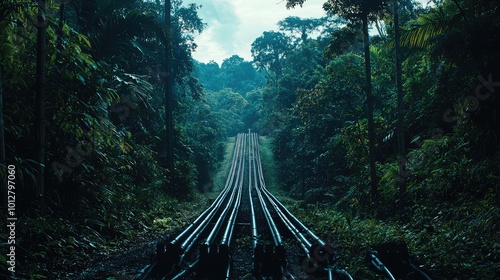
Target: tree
(238,74)
(461,36)
(229,106)
(355,11)
(40,118)
(169,95)
(301,26)
(7,9)
(269,51)
(303,69)
(401,133)
(209,75)
(252,114)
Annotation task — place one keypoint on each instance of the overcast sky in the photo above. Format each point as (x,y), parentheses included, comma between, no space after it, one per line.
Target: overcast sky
(234,24)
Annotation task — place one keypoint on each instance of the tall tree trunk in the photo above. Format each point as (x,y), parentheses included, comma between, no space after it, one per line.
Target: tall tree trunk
(60,32)
(169,98)
(3,161)
(369,105)
(401,134)
(40,102)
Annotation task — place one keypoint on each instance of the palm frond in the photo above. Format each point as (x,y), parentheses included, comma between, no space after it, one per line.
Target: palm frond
(424,28)
(120,32)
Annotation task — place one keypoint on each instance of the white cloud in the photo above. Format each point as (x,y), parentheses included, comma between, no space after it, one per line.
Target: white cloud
(234,25)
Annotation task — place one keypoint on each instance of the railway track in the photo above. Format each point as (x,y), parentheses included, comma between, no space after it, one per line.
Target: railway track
(247,212)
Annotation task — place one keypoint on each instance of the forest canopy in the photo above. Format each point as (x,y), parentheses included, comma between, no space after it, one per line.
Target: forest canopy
(112,125)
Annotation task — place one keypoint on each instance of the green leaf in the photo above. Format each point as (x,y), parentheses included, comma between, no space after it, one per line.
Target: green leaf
(83,38)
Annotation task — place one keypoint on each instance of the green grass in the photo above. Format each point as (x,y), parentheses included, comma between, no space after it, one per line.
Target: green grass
(269,167)
(221,175)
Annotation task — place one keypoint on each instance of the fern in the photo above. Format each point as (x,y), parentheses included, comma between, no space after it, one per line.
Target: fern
(388,183)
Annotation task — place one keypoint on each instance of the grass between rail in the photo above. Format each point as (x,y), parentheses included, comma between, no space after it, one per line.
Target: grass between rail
(220,176)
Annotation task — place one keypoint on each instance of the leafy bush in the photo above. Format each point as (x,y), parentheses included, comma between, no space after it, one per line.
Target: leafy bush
(444,168)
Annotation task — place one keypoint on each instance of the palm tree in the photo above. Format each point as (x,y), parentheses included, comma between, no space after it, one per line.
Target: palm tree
(423,31)
(463,34)
(427,26)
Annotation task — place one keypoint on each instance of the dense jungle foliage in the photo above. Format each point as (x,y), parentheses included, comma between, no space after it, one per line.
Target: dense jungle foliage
(105,120)
(323,91)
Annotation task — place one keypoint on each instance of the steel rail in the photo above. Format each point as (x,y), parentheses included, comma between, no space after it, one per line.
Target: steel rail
(317,251)
(216,202)
(270,262)
(231,205)
(270,222)
(215,256)
(209,248)
(170,255)
(251,183)
(191,240)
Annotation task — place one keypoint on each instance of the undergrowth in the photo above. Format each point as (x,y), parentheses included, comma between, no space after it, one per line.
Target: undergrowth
(50,240)
(452,224)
